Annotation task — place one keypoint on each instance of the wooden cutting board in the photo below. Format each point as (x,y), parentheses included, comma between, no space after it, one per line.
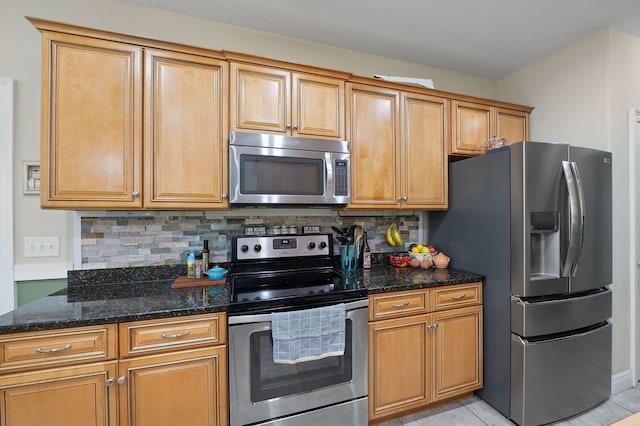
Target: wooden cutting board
(186,282)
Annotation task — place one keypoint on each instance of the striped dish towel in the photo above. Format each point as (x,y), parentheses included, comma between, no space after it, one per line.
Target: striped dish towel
(308,334)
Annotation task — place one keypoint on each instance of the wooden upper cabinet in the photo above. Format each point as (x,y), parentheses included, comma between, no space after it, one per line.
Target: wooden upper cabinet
(185,137)
(470,128)
(374,131)
(271,100)
(423,151)
(318,106)
(91,123)
(474,123)
(398,148)
(512,125)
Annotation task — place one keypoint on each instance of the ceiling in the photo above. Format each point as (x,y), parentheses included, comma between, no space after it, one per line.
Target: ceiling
(487,38)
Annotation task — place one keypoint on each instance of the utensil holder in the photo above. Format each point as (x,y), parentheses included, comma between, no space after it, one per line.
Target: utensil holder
(348,257)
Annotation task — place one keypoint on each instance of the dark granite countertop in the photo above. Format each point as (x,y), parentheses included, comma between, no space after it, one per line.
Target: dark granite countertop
(130,294)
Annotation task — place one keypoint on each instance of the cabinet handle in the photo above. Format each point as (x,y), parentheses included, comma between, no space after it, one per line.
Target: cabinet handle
(110,382)
(175,336)
(53,350)
(122,380)
(288,126)
(135,193)
(295,126)
(399,305)
(459,296)
(225,196)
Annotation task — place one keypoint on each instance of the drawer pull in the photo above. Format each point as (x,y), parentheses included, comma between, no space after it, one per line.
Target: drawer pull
(459,296)
(53,350)
(174,336)
(400,305)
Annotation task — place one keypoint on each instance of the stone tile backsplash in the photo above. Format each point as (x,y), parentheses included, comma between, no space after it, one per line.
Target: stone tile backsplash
(161,238)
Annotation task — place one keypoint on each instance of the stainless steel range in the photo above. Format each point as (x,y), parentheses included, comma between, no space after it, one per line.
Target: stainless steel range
(293,273)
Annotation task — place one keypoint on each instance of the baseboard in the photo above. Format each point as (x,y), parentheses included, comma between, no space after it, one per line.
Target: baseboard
(41,271)
(621,382)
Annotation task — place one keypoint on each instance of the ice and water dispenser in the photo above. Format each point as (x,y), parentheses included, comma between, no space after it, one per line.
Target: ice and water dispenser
(544,245)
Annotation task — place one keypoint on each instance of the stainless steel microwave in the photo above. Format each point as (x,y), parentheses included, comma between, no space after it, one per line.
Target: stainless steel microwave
(271,169)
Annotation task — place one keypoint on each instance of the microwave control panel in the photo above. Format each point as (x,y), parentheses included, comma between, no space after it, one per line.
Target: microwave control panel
(341,177)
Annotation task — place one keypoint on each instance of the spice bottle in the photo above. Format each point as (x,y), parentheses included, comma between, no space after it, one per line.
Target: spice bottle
(205,256)
(366,252)
(191,259)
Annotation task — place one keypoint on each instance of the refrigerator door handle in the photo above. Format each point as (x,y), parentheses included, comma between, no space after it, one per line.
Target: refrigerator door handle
(576,217)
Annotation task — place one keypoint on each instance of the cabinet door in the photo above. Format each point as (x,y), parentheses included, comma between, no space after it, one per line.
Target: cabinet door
(260,99)
(72,396)
(185,147)
(457,351)
(181,388)
(399,356)
(318,106)
(512,125)
(470,127)
(91,123)
(373,130)
(424,151)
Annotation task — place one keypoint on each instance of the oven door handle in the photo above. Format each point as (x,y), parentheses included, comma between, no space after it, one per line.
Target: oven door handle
(246,319)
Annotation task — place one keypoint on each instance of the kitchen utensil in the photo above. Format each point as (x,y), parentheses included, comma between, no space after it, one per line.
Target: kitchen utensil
(343,240)
(358,232)
(216,273)
(338,230)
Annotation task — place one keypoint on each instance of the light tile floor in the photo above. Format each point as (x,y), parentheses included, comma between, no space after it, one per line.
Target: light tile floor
(475,412)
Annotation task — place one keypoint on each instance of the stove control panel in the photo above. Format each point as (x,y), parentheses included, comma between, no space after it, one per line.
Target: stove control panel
(251,247)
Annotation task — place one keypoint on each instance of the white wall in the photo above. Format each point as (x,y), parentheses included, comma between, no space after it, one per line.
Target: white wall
(20,60)
(581,95)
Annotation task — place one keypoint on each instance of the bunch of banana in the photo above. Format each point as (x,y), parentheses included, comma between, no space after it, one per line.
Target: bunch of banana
(393,236)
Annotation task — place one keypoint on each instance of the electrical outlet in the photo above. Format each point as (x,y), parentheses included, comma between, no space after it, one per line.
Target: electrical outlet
(41,246)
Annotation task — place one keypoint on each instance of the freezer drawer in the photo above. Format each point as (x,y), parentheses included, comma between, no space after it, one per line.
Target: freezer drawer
(558,378)
(538,318)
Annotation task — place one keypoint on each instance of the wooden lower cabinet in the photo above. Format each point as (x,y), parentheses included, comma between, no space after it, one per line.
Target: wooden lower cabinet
(457,344)
(170,371)
(398,369)
(419,359)
(66,396)
(180,388)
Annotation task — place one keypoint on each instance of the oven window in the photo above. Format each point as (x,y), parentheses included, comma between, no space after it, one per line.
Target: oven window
(281,175)
(271,380)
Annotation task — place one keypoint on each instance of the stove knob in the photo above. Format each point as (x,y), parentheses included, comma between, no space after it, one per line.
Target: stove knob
(312,245)
(244,248)
(257,247)
(323,244)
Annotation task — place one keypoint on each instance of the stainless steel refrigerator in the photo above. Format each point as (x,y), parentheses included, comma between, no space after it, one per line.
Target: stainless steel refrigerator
(535,219)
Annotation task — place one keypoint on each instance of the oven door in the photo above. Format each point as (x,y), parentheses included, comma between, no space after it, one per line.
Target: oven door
(273,175)
(261,390)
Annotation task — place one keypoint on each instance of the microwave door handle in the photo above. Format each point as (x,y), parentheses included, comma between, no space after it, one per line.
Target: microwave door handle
(576,221)
(329,177)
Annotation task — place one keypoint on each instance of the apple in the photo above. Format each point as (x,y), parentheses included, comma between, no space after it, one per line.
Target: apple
(432,249)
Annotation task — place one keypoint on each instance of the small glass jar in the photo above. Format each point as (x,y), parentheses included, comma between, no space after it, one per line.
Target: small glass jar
(277,230)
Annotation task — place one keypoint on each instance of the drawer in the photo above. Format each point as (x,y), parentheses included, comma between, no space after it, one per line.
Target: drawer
(143,337)
(456,296)
(57,347)
(402,303)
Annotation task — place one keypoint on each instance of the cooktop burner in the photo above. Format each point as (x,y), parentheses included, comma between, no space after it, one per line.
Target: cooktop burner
(274,273)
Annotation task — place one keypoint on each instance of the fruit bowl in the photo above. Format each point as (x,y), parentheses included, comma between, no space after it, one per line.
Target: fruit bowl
(399,261)
(421,256)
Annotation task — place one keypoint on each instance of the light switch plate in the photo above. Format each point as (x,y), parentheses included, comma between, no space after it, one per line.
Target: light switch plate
(41,246)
